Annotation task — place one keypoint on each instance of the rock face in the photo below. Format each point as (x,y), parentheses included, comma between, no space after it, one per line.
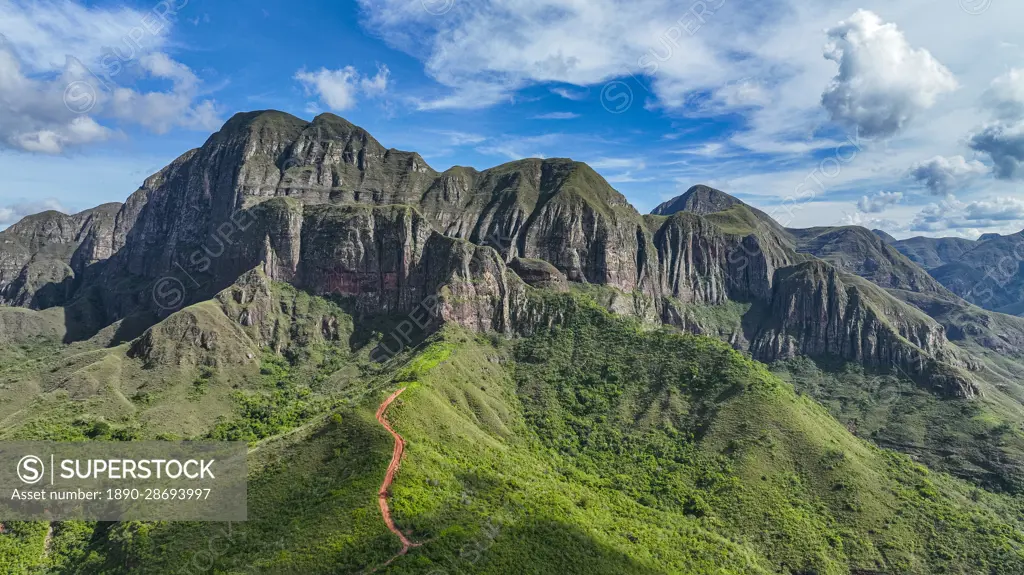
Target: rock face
(43,256)
(991,275)
(698,200)
(323,206)
(702,262)
(815,311)
(931,253)
(540,274)
(858,251)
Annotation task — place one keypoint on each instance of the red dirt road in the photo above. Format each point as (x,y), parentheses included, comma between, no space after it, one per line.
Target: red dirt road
(389,477)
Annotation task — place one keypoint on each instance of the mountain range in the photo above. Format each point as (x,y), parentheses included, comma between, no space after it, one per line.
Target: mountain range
(272,284)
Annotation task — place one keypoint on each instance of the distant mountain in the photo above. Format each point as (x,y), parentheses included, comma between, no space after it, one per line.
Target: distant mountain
(990,275)
(859,251)
(885,237)
(931,253)
(987,272)
(43,256)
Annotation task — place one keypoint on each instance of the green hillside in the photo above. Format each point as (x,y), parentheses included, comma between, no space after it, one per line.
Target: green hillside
(598,446)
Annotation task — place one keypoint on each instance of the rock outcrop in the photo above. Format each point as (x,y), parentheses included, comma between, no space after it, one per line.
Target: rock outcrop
(43,256)
(816,310)
(860,252)
(325,207)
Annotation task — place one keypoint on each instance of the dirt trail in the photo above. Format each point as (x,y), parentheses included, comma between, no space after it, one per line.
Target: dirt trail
(389,477)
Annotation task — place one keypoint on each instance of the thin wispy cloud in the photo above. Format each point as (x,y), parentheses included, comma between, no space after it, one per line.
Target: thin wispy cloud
(557,116)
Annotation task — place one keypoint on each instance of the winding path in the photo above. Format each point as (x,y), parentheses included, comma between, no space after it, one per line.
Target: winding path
(389,477)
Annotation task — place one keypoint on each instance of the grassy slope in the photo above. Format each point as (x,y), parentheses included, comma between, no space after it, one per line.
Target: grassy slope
(974,440)
(599,447)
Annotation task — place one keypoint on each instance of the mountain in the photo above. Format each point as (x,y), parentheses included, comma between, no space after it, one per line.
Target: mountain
(44,255)
(698,200)
(986,272)
(931,253)
(861,252)
(885,236)
(578,385)
(591,446)
(990,274)
(268,189)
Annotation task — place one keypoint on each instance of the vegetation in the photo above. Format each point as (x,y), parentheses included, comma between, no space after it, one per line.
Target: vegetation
(595,447)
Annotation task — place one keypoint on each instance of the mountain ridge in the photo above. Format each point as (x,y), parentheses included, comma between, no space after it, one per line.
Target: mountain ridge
(222,202)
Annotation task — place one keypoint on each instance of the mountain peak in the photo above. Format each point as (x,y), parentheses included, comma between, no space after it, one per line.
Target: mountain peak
(258,118)
(699,199)
(885,236)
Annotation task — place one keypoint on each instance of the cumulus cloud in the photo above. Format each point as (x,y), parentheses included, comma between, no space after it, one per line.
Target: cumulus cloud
(1005,97)
(870,222)
(883,82)
(967,217)
(1004,143)
(482,52)
(879,202)
(34,115)
(340,89)
(944,176)
(58,67)
(1003,139)
(14,212)
(161,111)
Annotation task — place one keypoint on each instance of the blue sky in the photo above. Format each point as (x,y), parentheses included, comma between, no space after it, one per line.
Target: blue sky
(907,116)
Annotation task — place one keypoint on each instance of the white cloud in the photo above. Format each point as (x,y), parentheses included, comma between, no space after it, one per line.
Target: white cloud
(879,202)
(52,58)
(45,32)
(557,116)
(1003,139)
(707,150)
(617,164)
(1004,142)
(873,223)
(469,96)
(1003,213)
(456,138)
(943,176)
(378,84)
(883,82)
(15,212)
(519,147)
(337,89)
(573,95)
(162,111)
(485,51)
(742,94)
(340,89)
(1005,97)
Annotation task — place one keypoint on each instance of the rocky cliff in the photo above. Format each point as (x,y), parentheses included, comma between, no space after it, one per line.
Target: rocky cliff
(325,207)
(43,257)
(816,310)
(859,251)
